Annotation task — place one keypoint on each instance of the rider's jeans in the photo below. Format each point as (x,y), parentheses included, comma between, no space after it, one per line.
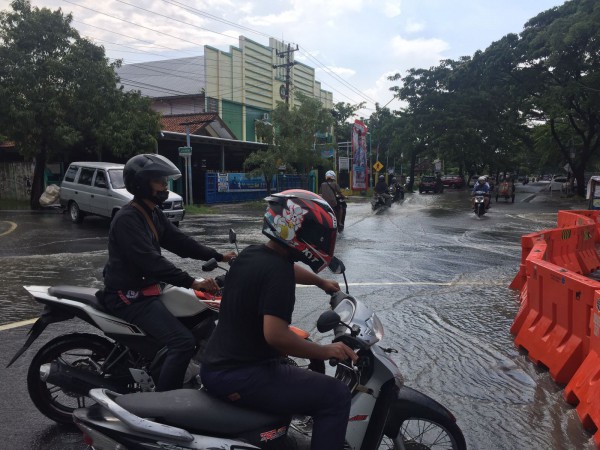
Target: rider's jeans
(285,389)
(150,314)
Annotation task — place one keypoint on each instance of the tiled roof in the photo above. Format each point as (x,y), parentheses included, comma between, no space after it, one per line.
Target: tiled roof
(197,122)
(201,124)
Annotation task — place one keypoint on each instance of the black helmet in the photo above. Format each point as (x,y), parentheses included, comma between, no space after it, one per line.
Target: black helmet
(382,177)
(304,223)
(141,169)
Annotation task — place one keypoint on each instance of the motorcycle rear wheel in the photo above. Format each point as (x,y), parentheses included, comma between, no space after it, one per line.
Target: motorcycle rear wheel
(77,350)
(420,433)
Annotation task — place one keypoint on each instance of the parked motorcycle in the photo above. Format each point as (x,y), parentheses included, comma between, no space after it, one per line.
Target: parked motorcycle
(479,203)
(384,412)
(125,359)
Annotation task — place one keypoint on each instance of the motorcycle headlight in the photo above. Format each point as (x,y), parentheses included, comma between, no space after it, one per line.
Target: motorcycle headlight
(345,310)
(377,326)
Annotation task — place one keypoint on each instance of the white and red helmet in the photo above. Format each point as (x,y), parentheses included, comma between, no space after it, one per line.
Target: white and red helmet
(305,223)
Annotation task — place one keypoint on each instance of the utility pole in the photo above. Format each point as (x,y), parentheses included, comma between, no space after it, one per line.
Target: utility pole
(288,69)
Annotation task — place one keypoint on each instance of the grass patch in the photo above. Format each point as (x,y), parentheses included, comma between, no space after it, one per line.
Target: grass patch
(7,203)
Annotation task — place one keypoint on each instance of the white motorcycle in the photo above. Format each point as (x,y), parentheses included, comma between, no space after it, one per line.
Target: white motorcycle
(385,414)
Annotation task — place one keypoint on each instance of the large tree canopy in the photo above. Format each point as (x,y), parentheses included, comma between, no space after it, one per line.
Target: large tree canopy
(518,104)
(58,93)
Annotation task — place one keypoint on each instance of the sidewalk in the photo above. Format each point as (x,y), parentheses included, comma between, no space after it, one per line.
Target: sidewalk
(544,195)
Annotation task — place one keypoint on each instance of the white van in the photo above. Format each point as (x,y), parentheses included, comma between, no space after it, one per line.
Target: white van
(97,188)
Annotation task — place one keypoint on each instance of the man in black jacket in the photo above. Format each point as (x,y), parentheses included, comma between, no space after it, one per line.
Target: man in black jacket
(136,266)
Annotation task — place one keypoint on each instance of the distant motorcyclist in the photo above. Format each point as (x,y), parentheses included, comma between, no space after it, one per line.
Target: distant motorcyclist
(396,189)
(381,190)
(481,186)
(332,194)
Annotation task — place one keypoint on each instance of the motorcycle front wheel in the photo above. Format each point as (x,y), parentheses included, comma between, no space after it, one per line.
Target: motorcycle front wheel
(80,351)
(421,433)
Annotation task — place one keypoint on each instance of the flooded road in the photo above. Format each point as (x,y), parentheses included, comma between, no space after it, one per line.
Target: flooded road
(436,274)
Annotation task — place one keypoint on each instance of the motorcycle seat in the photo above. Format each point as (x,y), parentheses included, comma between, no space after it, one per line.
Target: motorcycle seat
(81,294)
(198,412)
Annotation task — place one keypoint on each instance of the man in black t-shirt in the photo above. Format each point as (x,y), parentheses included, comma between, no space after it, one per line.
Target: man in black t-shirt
(242,360)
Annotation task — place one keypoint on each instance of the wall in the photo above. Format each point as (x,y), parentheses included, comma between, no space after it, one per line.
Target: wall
(15,180)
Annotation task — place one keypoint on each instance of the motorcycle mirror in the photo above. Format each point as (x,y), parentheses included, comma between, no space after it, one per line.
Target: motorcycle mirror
(328,321)
(232,236)
(233,240)
(336,266)
(209,265)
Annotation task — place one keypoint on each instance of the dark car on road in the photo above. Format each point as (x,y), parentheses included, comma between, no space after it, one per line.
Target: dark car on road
(430,183)
(453,181)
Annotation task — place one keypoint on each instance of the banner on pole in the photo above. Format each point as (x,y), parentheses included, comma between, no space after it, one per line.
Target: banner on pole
(360,170)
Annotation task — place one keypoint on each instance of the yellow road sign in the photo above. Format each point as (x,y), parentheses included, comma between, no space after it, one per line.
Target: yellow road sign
(377,166)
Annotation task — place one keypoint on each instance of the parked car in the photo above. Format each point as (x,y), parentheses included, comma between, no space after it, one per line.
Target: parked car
(558,183)
(97,188)
(453,181)
(429,183)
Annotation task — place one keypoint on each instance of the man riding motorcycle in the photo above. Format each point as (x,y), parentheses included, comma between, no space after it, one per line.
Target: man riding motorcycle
(481,186)
(381,190)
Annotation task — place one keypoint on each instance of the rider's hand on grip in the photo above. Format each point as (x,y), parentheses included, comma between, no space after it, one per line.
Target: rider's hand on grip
(207,284)
(339,351)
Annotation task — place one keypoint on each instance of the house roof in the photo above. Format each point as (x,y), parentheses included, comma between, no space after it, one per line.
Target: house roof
(203,124)
(167,78)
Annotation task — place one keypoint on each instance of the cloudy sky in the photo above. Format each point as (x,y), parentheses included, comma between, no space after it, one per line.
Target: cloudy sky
(354,44)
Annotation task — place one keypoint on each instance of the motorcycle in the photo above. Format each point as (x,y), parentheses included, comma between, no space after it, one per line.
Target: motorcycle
(380,202)
(385,413)
(479,203)
(396,190)
(341,212)
(125,359)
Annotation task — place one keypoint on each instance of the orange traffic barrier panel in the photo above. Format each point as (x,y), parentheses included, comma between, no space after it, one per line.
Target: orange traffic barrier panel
(526,309)
(586,248)
(527,243)
(562,248)
(576,218)
(559,301)
(584,388)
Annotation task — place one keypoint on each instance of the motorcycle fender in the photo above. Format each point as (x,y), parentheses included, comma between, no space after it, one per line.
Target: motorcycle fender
(411,403)
(49,315)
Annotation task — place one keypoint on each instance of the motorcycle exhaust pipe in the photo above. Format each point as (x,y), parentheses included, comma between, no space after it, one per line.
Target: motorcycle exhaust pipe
(73,379)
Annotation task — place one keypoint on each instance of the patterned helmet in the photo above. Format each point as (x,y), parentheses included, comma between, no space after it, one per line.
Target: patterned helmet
(330,174)
(304,223)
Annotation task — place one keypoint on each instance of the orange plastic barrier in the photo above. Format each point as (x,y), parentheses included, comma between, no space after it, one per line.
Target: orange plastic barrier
(584,388)
(558,322)
(559,302)
(562,248)
(527,243)
(526,309)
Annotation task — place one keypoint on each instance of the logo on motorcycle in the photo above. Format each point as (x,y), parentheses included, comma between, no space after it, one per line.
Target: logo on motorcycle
(377,166)
(273,434)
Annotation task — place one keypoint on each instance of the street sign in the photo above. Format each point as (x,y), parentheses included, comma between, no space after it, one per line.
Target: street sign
(184,151)
(377,166)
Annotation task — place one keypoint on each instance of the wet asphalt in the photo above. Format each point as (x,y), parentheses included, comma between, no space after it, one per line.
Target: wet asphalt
(436,274)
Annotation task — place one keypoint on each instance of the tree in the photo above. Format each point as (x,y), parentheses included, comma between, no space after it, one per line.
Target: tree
(342,113)
(555,69)
(59,93)
(264,163)
(295,130)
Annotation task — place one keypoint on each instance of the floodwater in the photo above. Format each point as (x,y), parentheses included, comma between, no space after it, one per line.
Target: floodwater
(436,275)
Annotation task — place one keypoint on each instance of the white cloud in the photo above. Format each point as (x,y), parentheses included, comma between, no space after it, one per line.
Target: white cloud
(392,8)
(344,72)
(418,52)
(414,27)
